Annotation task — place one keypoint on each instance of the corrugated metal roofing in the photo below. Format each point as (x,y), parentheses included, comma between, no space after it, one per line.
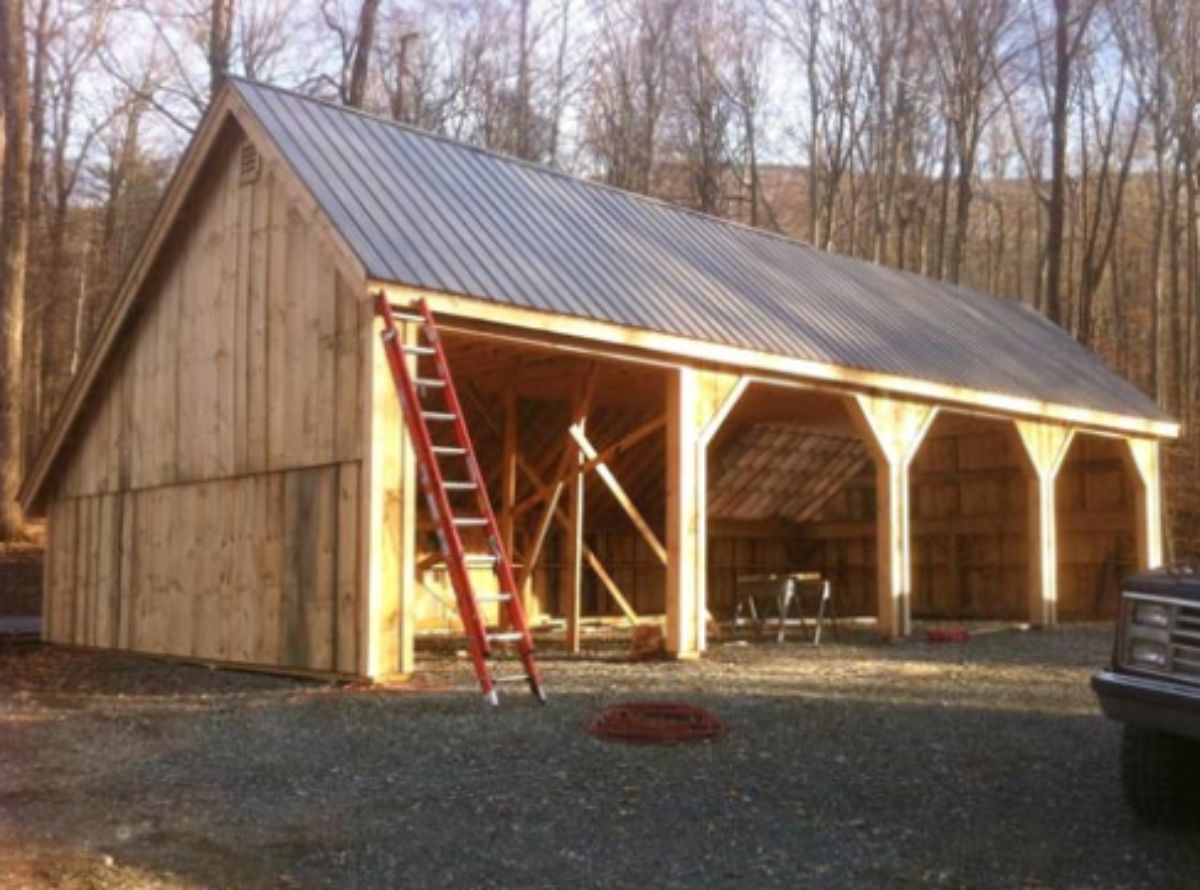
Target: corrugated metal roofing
(429,212)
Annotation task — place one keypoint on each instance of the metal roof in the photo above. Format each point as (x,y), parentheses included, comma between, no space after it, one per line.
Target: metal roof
(425,211)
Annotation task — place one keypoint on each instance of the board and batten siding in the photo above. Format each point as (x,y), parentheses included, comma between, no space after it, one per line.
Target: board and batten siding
(212,503)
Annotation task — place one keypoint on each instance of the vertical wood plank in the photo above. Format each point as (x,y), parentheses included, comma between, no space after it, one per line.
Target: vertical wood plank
(257,348)
(126,588)
(348,544)
(270,569)
(278,329)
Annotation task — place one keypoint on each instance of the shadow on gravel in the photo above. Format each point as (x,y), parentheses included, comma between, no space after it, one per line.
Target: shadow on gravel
(370,791)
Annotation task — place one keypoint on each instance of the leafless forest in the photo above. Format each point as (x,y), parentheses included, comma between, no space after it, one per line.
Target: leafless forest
(1041,150)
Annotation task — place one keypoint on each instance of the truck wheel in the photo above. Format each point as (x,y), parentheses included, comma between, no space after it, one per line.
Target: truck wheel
(1161,776)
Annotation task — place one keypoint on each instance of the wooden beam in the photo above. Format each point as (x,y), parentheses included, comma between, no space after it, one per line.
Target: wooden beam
(1143,456)
(893,431)
(588,337)
(572,571)
(626,503)
(610,585)
(622,445)
(572,578)
(1045,447)
(508,471)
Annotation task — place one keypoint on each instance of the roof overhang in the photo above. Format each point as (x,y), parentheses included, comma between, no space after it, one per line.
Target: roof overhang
(589,335)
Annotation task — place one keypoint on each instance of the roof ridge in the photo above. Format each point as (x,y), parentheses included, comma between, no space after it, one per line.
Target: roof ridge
(545,169)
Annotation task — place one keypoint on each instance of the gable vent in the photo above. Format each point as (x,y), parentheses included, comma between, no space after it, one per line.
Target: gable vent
(251,164)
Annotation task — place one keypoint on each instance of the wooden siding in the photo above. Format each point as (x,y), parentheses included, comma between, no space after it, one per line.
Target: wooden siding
(211,503)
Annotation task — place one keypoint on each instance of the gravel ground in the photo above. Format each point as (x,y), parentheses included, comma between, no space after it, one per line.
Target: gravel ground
(858,765)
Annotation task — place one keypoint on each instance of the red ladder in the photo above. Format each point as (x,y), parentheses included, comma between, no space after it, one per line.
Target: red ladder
(439,494)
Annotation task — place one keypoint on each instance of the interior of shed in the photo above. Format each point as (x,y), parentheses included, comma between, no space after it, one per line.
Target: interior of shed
(792,487)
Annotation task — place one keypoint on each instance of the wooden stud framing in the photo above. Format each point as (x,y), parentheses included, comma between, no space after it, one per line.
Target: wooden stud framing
(592,457)
(1143,458)
(893,431)
(1046,446)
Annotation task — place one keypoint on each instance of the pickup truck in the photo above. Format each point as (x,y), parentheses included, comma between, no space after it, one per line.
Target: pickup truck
(1152,686)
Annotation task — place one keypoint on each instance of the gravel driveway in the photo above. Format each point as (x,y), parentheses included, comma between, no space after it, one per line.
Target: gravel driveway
(858,765)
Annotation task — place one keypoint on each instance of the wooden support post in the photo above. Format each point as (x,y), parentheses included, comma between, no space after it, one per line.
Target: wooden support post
(1143,457)
(572,574)
(508,472)
(893,430)
(508,485)
(697,404)
(388,491)
(1046,446)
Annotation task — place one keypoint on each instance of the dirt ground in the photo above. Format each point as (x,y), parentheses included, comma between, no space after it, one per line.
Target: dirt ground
(861,765)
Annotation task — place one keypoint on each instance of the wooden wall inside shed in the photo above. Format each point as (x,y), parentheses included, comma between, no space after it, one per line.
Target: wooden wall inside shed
(970,528)
(1097,544)
(209,506)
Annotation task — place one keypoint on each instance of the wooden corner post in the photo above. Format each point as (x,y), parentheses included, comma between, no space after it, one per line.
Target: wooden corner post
(893,431)
(388,496)
(1045,446)
(697,403)
(1143,458)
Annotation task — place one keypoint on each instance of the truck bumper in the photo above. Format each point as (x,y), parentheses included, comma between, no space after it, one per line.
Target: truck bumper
(1154,704)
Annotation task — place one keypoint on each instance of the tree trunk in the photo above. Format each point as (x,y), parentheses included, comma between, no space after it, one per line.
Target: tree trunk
(1056,209)
(14,245)
(364,42)
(220,36)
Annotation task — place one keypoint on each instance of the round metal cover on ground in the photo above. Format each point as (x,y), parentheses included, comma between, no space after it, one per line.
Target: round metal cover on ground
(655,723)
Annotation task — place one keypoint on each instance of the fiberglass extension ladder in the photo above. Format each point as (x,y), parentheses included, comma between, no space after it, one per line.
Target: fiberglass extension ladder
(440,492)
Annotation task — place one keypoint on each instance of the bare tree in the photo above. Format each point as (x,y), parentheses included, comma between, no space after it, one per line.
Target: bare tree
(1069,31)
(363,44)
(969,49)
(220,41)
(14,238)
(79,36)
(627,88)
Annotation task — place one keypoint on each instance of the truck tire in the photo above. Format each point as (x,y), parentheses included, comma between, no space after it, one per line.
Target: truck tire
(1160,774)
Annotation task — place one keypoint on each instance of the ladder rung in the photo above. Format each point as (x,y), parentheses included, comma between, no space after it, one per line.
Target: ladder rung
(438,415)
(493,597)
(459,486)
(509,636)
(472,521)
(405,315)
(512,678)
(429,382)
(448,449)
(479,558)
(417,350)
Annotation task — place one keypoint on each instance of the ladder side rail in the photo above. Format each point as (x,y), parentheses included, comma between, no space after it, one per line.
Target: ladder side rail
(504,570)
(435,494)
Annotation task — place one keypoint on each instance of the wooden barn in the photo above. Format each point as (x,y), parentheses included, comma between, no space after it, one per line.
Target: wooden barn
(666,402)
